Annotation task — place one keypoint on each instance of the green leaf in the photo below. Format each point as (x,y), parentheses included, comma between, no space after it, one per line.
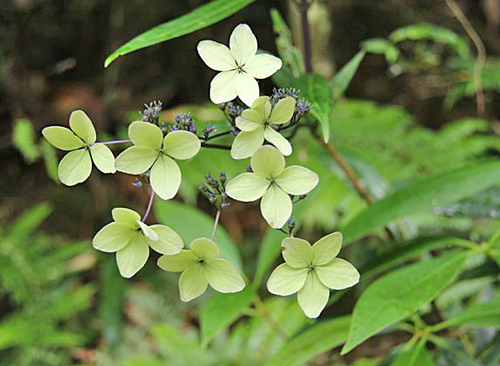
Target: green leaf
(291,55)
(316,90)
(431,32)
(485,314)
(190,223)
(381,45)
(400,293)
(315,340)
(343,78)
(416,356)
(221,310)
(270,249)
(50,160)
(201,17)
(24,225)
(23,138)
(422,195)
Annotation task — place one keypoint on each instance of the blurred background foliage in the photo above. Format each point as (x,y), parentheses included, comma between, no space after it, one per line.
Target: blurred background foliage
(405,112)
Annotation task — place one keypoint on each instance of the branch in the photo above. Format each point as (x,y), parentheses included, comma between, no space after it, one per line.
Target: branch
(150,204)
(306,37)
(215,146)
(481,53)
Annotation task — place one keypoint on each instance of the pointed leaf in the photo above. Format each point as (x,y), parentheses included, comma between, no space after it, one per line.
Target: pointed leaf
(343,78)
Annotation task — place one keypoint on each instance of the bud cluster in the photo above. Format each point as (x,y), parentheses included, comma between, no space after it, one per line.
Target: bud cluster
(184,121)
(215,190)
(283,93)
(151,112)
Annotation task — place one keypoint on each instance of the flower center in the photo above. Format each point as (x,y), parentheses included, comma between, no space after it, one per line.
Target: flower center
(311,269)
(239,68)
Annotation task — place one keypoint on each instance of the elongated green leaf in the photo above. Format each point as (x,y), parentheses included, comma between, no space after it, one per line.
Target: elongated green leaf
(24,225)
(23,137)
(400,293)
(485,314)
(199,18)
(424,195)
(191,223)
(270,249)
(317,339)
(291,55)
(221,310)
(315,88)
(343,78)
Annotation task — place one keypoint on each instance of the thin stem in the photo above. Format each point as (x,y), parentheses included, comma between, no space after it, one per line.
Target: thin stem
(216,223)
(306,37)
(481,53)
(225,133)
(114,142)
(215,146)
(259,305)
(349,172)
(150,204)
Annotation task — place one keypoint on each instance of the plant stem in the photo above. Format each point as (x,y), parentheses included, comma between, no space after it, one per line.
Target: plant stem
(261,309)
(306,37)
(114,142)
(150,204)
(217,216)
(217,135)
(215,146)
(481,53)
(349,172)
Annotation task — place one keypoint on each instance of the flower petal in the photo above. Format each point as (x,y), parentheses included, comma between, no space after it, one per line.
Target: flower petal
(165,177)
(181,145)
(103,158)
(249,120)
(192,283)
(242,43)
(247,88)
(222,276)
(147,231)
(62,138)
(75,167)
(204,248)
(338,274)
(135,160)
(247,187)
(178,262)
(112,237)
(263,65)
(126,216)
(275,138)
(276,207)
(297,180)
(82,126)
(223,87)
(145,134)
(247,142)
(327,248)
(267,162)
(262,106)
(286,280)
(133,256)
(169,242)
(313,296)
(216,56)
(297,252)
(283,111)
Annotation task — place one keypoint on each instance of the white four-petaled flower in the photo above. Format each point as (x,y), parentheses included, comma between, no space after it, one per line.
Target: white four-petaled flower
(256,125)
(312,272)
(80,140)
(271,181)
(239,66)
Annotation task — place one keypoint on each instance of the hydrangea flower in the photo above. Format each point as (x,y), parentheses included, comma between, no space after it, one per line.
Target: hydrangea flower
(239,66)
(131,239)
(200,267)
(271,181)
(311,272)
(153,151)
(80,140)
(256,125)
